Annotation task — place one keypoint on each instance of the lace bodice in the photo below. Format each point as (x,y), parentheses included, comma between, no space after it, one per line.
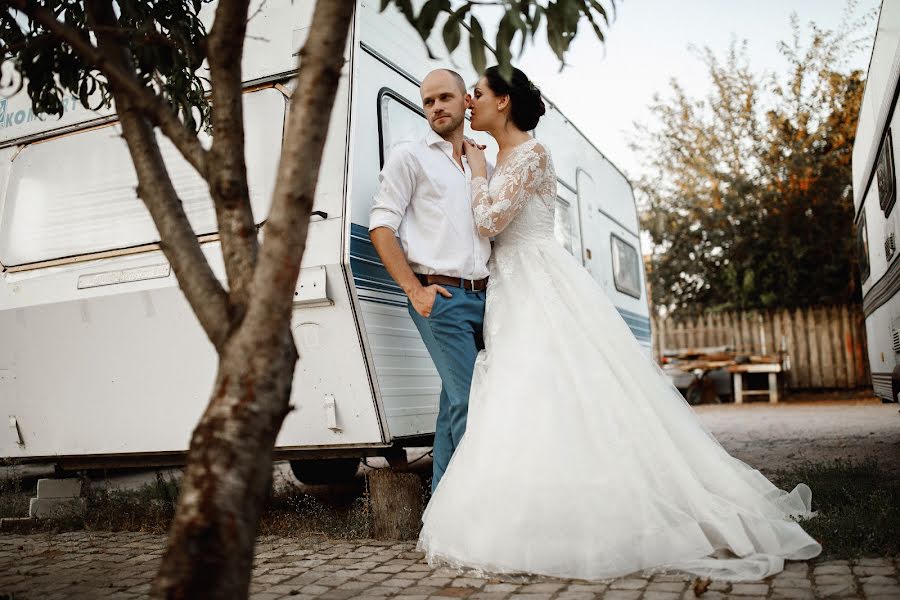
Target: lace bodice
(518,203)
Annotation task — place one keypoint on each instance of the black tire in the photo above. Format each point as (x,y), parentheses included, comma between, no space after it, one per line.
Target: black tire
(693,394)
(325,470)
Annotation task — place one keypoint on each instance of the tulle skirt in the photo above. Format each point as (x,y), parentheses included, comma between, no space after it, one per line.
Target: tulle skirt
(581,459)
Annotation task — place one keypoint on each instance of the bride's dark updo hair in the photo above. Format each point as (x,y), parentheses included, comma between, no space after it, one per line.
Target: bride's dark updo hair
(525,99)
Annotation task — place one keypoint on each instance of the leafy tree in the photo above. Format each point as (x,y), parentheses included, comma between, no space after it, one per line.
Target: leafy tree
(160,67)
(748,203)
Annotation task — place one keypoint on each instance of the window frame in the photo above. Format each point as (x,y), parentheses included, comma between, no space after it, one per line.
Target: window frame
(612,257)
(885,158)
(394,95)
(862,248)
(139,248)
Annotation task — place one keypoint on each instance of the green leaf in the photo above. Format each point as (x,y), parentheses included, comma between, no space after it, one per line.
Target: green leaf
(476,46)
(427,17)
(405,7)
(600,9)
(452,34)
(505,33)
(515,17)
(554,35)
(594,24)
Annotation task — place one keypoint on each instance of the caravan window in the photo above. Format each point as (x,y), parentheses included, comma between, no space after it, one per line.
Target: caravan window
(399,120)
(886,176)
(626,267)
(75,195)
(862,247)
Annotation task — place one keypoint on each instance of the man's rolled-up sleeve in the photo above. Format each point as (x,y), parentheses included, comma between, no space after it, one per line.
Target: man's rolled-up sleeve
(396,185)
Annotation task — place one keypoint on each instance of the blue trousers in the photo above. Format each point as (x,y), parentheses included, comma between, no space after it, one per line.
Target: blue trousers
(453,336)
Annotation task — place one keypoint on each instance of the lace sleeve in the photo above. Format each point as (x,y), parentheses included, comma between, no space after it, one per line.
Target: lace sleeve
(522,177)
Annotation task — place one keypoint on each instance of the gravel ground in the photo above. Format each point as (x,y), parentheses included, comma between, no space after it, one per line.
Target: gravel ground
(775,436)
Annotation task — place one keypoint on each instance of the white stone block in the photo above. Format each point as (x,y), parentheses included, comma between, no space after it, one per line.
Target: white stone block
(58,488)
(55,508)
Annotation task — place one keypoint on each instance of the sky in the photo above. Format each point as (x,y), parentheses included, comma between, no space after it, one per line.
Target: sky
(604,90)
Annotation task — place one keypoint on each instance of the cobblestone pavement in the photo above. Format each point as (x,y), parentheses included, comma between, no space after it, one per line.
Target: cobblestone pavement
(121,565)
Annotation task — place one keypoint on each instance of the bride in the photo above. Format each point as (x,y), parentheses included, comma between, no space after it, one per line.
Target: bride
(580,459)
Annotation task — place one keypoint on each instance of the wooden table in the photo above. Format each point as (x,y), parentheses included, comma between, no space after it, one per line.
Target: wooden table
(738,372)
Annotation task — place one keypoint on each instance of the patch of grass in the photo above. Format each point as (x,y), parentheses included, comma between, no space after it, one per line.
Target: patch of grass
(858,506)
(15,494)
(292,512)
(288,511)
(150,508)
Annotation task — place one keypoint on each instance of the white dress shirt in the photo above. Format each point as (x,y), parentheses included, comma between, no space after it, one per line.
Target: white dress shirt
(424,197)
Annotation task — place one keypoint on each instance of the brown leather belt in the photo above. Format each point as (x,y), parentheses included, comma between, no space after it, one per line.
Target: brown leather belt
(474,285)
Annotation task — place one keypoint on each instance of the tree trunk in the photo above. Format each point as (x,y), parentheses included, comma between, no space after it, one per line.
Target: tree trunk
(229,472)
(229,464)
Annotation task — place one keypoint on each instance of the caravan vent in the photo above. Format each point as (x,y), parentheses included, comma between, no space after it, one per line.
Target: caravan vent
(895,333)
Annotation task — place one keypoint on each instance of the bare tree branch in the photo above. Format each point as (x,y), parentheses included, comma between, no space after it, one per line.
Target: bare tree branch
(259,10)
(285,233)
(228,180)
(142,99)
(178,240)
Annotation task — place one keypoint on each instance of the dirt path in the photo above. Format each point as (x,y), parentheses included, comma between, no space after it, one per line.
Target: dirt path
(773,437)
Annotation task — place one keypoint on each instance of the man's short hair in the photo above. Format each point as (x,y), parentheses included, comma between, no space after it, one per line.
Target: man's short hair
(458,78)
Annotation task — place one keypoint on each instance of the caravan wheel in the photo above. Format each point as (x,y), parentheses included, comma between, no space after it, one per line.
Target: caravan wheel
(325,470)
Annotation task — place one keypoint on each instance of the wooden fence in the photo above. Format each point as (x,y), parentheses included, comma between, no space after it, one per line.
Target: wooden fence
(824,347)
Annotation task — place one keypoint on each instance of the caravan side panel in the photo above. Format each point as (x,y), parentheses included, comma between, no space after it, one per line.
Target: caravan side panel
(407,383)
(101,354)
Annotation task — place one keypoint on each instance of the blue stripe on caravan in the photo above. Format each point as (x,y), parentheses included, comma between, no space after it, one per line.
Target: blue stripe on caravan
(384,301)
(368,271)
(360,244)
(639,324)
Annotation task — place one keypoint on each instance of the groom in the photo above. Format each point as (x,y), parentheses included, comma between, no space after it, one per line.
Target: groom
(440,260)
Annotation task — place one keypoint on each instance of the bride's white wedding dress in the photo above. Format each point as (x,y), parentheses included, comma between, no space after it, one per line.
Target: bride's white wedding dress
(580,459)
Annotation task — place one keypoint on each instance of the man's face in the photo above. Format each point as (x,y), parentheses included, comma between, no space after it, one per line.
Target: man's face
(444,102)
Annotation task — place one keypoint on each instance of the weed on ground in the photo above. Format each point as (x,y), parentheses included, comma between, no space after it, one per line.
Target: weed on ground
(857,506)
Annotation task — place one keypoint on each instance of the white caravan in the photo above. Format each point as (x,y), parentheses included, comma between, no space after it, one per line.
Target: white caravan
(102,361)
(875,195)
